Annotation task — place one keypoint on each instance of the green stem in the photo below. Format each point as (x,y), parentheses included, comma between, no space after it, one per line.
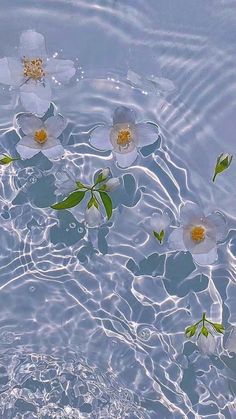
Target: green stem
(213,179)
(203,319)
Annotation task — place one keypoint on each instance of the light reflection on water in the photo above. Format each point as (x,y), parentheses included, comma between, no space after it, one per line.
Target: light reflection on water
(91,323)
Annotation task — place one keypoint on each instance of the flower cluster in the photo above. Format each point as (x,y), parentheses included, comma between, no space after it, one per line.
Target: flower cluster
(205,338)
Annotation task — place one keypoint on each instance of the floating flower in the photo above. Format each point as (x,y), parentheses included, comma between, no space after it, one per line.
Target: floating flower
(206,344)
(40,136)
(198,234)
(124,137)
(32,72)
(159,223)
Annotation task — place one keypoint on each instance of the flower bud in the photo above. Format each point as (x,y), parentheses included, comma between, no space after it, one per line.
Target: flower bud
(93,217)
(112,184)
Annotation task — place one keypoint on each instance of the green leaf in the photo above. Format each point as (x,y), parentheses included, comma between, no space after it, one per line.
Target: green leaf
(204,331)
(107,202)
(190,331)
(80,185)
(103,175)
(159,236)
(222,163)
(7,159)
(218,327)
(93,202)
(71,201)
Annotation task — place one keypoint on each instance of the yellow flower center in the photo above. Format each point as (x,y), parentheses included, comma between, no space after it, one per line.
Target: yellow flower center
(124,137)
(41,136)
(198,234)
(33,69)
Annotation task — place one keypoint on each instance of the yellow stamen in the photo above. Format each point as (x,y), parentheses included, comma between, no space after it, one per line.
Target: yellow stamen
(33,69)
(41,136)
(124,138)
(198,234)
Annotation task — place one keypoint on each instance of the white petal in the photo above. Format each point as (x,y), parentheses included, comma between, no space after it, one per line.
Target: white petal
(28,147)
(159,222)
(230,343)
(28,123)
(112,184)
(55,125)
(202,247)
(126,159)
(190,212)
(11,71)
(123,115)
(35,97)
(62,70)
(176,240)
(207,344)
(145,134)
(219,222)
(100,138)
(93,217)
(32,45)
(52,149)
(207,258)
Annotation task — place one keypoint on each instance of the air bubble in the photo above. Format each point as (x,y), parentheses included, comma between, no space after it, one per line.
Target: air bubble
(144,333)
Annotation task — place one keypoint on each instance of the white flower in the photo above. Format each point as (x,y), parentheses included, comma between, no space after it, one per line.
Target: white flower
(40,136)
(230,343)
(159,222)
(93,217)
(32,72)
(198,234)
(112,184)
(105,173)
(207,345)
(124,137)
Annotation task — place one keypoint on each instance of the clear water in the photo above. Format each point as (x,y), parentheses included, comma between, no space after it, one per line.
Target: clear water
(92,322)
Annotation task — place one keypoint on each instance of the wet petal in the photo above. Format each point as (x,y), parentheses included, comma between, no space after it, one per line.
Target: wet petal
(176,240)
(205,259)
(55,125)
(230,343)
(202,247)
(62,70)
(32,45)
(219,222)
(123,115)
(28,123)
(27,147)
(35,97)
(93,217)
(207,345)
(11,71)
(126,159)
(190,212)
(100,138)
(159,222)
(52,149)
(145,134)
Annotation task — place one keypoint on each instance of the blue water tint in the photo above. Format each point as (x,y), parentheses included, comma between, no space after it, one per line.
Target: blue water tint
(92,320)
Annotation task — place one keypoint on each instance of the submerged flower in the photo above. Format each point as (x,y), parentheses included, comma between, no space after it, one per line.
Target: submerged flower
(124,137)
(93,216)
(206,344)
(32,72)
(112,184)
(198,234)
(40,136)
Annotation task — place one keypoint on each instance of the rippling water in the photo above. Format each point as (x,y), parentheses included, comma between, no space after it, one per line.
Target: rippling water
(92,322)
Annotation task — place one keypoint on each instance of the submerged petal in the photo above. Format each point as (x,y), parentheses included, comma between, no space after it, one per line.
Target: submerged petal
(190,212)
(159,222)
(62,70)
(219,222)
(35,97)
(100,138)
(11,71)
(32,45)
(123,115)
(207,344)
(28,123)
(145,134)
(126,159)
(27,147)
(93,217)
(206,258)
(55,125)
(176,240)
(52,149)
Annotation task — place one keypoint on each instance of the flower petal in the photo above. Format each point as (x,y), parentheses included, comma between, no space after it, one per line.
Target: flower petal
(100,138)
(62,70)
(52,149)
(176,240)
(126,159)
(199,247)
(93,217)
(28,123)
(230,343)
(55,125)
(145,134)
(35,97)
(11,71)
(123,115)
(159,222)
(219,222)
(32,45)
(207,344)
(206,258)
(190,212)
(27,147)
